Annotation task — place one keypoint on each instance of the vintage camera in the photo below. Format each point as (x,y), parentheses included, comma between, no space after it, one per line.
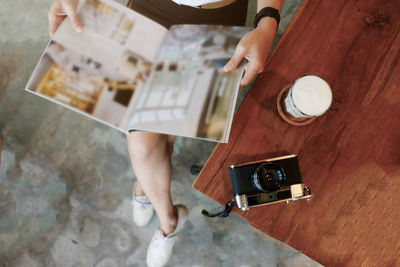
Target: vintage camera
(267,181)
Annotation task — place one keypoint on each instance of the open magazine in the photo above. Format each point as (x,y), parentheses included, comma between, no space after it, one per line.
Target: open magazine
(131,73)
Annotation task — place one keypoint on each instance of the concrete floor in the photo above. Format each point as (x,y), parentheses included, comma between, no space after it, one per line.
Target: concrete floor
(66,180)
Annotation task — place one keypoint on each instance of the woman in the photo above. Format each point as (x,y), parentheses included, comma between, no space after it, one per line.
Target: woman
(151,152)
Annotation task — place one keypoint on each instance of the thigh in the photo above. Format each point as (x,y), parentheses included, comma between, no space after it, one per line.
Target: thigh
(142,144)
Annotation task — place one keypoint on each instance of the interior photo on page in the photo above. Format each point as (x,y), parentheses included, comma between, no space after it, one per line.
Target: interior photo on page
(187,93)
(97,72)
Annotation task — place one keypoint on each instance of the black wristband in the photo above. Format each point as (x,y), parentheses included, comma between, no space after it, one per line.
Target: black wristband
(267,12)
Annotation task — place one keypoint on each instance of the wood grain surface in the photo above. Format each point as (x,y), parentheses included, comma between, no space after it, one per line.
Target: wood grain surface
(349,157)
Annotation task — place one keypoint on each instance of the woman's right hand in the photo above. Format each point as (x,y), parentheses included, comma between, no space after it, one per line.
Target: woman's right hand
(61,9)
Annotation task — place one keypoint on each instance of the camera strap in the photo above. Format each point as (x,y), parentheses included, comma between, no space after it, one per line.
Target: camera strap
(224,213)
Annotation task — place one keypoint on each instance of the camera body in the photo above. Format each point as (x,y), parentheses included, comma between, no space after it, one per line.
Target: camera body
(267,181)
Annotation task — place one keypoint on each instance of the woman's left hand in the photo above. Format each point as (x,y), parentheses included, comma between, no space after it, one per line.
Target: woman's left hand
(254,47)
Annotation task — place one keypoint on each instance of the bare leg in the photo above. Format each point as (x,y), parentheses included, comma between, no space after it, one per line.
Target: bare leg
(151,160)
(138,190)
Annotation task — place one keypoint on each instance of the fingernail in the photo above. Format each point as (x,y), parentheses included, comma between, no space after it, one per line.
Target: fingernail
(226,68)
(79,29)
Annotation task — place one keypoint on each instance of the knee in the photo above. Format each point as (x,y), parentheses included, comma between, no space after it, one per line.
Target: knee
(142,145)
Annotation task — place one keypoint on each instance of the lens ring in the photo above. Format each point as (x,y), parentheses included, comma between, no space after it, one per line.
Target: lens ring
(268,177)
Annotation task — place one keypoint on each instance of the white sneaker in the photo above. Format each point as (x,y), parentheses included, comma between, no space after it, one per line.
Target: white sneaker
(161,247)
(142,210)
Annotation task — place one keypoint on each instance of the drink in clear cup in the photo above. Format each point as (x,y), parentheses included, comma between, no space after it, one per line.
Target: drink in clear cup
(309,96)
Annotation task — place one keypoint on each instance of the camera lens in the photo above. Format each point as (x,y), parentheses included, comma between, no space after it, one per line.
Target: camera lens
(268,177)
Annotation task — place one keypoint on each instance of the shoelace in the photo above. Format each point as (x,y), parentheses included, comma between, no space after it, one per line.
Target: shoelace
(162,241)
(143,203)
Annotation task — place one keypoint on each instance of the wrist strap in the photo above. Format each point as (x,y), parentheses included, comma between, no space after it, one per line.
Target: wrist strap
(267,12)
(224,213)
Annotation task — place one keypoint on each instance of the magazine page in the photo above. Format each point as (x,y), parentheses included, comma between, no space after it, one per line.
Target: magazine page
(97,72)
(187,93)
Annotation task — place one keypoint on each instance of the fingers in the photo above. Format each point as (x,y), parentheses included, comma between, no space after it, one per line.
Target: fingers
(59,10)
(251,70)
(54,19)
(53,25)
(69,8)
(252,67)
(235,60)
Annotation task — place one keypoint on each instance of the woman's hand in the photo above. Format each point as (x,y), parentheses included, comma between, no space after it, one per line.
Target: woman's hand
(254,47)
(61,9)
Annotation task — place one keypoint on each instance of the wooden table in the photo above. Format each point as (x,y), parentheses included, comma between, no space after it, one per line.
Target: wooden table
(350,157)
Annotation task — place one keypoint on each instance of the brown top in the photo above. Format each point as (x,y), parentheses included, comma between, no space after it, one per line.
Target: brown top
(349,157)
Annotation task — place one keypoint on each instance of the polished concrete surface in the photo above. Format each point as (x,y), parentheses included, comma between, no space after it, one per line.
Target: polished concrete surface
(66,180)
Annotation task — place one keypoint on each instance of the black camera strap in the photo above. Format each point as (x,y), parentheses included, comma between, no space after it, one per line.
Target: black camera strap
(224,213)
